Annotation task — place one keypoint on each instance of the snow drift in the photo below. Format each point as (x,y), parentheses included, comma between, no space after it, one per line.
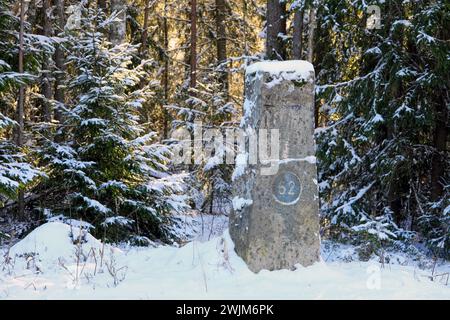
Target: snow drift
(205,270)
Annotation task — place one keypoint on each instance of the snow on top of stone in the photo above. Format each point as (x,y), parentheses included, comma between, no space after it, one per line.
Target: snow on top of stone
(299,69)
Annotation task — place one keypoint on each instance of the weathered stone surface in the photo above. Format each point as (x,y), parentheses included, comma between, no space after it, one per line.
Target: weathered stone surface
(275,221)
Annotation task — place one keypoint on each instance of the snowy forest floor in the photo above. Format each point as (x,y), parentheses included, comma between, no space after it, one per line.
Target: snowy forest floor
(47,265)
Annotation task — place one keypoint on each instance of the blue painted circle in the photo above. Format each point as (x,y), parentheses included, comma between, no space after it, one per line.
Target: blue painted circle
(286,188)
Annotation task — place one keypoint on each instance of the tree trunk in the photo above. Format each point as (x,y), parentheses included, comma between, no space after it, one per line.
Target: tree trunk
(438,161)
(21,98)
(193,51)
(297,39)
(275,28)
(166,53)
(59,61)
(310,56)
(244,10)
(167,119)
(186,40)
(101,4)
(312,26)
(221,44)
(20,105)
(46,81)
(118,29)
(144,49)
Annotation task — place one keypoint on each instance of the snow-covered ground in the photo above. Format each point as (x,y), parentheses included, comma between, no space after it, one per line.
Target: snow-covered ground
(47,265)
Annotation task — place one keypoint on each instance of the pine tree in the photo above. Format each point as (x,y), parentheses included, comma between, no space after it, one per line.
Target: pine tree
(276,30)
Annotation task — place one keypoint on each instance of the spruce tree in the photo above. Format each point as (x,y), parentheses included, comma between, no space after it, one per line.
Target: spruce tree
(106,170)
(16,171)
(384,99)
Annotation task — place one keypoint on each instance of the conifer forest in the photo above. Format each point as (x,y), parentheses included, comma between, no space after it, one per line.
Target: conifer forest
(94,95)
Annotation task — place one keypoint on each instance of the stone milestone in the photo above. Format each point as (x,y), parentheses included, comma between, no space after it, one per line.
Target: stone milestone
(275,218)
